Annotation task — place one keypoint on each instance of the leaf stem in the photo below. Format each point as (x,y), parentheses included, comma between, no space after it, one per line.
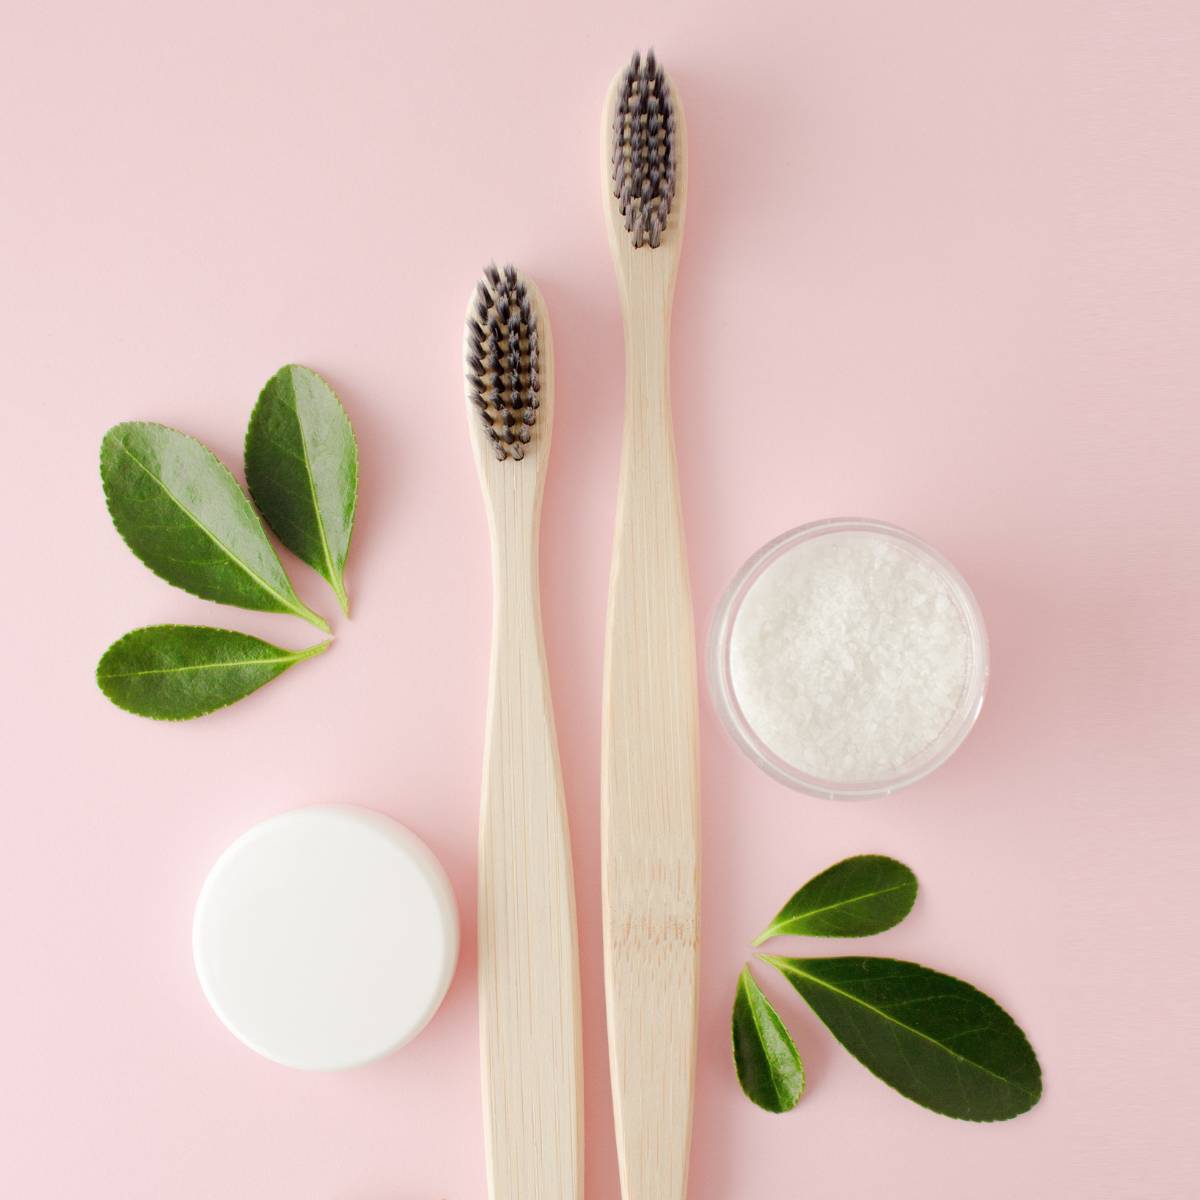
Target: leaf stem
(313,651)
(311,617)
(339,590)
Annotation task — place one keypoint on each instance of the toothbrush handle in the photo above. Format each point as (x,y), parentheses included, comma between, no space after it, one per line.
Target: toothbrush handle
(528,949)
(650,779)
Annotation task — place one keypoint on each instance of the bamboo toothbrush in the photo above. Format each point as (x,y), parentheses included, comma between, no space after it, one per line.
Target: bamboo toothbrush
(650,771)
(528,947)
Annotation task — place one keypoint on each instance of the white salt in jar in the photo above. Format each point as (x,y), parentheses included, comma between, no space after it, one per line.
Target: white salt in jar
(848,658)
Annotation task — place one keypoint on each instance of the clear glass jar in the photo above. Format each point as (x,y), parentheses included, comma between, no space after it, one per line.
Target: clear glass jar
(725,699)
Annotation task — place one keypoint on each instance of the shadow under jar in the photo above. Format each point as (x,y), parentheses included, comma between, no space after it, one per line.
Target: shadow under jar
(848,658)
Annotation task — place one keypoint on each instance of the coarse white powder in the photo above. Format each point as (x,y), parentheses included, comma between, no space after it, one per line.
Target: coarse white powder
(849,656)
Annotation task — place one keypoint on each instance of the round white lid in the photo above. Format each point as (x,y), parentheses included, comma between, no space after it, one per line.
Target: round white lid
(326,937)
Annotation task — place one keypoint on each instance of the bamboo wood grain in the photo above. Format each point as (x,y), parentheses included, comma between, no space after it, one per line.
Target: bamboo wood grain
(649,757)
(528,946)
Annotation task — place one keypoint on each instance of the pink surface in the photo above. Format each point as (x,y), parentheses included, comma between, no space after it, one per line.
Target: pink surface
(941,269)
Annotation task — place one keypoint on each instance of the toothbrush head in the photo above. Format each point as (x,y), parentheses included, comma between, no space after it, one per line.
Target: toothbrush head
(644,151)
(504,361)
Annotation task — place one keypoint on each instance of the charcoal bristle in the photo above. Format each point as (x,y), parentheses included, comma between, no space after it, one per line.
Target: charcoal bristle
(503,360)
(643,151)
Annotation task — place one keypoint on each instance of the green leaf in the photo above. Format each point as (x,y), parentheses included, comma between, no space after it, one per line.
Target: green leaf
(933,1038)
(182,513)
(767,1061)
(854,898)
(302,468)
(173,672)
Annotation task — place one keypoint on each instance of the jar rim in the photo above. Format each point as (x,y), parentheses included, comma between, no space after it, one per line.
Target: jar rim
(725,700)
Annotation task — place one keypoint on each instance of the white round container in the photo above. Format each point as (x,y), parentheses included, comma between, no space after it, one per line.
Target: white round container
(326,937)
(898,547)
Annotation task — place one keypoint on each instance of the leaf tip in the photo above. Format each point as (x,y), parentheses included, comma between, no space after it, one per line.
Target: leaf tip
(313,618)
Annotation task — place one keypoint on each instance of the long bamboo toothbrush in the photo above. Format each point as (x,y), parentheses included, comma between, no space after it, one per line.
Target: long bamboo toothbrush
(650,771)
(528,946)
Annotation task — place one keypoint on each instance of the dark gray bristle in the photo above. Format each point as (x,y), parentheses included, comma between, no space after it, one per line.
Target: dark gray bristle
(503,361)
(644,151)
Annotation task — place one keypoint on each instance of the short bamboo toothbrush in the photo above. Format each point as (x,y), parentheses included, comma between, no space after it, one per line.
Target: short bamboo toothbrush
(650,772)
(528,947)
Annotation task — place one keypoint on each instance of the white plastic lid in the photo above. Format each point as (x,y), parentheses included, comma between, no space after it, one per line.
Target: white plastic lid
(326,937)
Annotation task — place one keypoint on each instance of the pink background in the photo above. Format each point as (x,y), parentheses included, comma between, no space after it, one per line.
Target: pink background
(942,268)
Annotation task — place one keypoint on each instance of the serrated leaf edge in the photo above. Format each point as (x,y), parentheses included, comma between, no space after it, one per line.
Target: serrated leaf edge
(337,572)
(299,610)
(780,930)
(1035,1096)
(745,976)
(294,657)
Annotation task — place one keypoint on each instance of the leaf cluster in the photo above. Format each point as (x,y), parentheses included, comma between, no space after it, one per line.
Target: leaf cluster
(181,511)
(937,1040)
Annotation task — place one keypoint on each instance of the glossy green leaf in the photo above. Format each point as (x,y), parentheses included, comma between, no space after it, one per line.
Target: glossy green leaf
(854,898)
(173,672)
(184,515)
(933,1038)
(302,469)
(767,1061)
